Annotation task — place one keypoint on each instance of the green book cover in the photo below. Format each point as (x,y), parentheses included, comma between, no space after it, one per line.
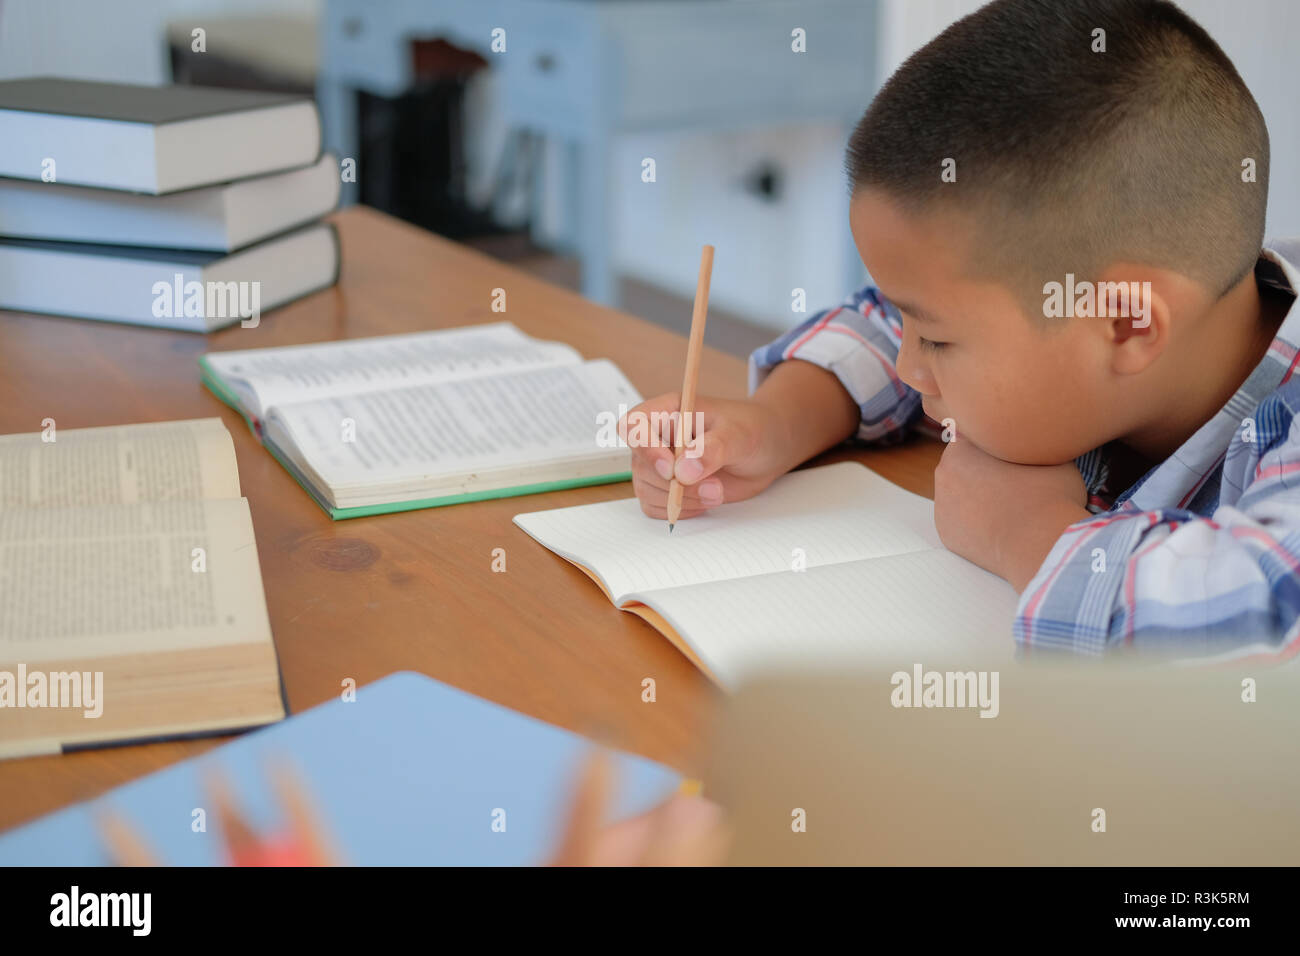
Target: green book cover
(223,391)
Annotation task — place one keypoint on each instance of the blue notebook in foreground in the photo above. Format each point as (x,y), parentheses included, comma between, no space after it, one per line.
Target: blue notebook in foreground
(408,774)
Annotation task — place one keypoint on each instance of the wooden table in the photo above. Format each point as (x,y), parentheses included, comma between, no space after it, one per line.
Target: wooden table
(363,598)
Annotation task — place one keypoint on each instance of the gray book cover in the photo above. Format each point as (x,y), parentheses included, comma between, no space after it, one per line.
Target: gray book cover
(128,103)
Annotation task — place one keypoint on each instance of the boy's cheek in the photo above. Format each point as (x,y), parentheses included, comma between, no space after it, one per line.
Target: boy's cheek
(1022,424)
(998,423)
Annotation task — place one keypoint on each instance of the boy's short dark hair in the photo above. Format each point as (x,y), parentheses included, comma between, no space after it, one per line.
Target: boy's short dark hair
(1069,160)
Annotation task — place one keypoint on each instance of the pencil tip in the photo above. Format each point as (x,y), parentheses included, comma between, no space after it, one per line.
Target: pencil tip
(670,528)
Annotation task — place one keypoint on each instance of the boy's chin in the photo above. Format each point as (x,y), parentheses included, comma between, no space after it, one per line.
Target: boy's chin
(1012,458)
(1016,456)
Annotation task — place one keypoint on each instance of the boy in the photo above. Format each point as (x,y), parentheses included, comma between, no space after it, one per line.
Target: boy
(1124,457)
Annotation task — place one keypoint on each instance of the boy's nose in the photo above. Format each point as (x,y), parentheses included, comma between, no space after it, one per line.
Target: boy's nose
(914,374)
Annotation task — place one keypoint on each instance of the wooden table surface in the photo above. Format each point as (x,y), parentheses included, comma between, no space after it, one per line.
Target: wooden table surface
(415,591)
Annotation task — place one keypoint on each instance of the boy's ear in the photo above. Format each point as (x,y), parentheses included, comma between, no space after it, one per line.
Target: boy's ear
(1138,334)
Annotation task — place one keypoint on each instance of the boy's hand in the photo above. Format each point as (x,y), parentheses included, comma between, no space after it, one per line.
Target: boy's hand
(301,842)
(1002,516)
(681,831)
(740,453)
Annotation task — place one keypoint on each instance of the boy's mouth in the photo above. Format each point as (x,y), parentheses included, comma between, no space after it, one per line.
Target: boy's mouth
(933,408)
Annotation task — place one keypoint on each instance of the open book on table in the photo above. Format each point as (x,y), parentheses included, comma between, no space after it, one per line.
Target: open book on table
(399,422)
(131,601)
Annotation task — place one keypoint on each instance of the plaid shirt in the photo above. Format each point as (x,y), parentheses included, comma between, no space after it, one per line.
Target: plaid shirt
(1201,555)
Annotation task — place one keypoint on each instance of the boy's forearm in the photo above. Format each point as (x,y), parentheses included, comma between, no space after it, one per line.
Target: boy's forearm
(1026,546)
(813,409)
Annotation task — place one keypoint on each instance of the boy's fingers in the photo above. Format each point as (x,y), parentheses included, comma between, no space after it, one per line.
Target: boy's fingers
(653,497)
(712,450)
(688,831)
(655,411)
(709,496)
(624,843)
(651,486)
(125,845)
(304,824)
(660,512)
(237,835)
(651,461)
(581,831)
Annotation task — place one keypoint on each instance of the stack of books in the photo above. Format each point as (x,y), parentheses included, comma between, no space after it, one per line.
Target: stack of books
(181,207)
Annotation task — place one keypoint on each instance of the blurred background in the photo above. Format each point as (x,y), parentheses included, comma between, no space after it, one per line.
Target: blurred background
(525,128)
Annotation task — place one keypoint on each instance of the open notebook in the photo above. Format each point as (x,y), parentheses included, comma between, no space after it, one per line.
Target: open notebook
(399,422)
(127,552)
(876,586)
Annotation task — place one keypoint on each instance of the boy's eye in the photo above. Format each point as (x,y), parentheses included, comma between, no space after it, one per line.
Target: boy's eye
(930,346)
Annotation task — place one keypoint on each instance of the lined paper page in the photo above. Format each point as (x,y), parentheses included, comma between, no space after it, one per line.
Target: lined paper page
(269,376)
(927,607)
(832,514)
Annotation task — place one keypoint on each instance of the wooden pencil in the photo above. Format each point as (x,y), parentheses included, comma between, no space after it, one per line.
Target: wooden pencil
(694,350)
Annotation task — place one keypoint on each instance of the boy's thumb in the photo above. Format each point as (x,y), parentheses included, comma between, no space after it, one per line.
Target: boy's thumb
(707,452)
